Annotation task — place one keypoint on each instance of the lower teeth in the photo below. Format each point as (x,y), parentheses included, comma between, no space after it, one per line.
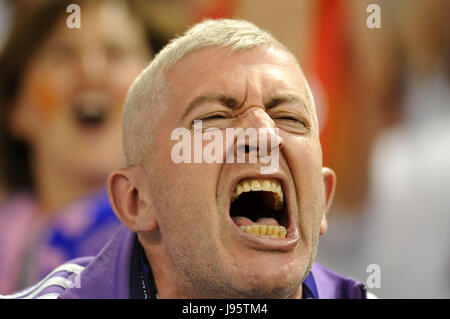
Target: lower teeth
(265,230)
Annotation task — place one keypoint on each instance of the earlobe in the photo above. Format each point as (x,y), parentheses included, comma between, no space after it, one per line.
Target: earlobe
(329,181)
(129,202)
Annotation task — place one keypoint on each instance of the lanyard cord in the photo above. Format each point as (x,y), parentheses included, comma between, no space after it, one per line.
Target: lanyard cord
(146,277)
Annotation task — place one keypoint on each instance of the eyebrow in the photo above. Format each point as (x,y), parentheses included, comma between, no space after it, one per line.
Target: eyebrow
(224,99)
(285,98)
(232,103)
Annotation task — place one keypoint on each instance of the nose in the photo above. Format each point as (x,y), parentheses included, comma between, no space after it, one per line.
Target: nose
(256,117)
(259,135)
(92,67)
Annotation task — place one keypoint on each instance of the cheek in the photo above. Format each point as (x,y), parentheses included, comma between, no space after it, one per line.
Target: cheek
(45,98)
(185,203)
(48,88)
(189,188)
(304,160)
(119,92)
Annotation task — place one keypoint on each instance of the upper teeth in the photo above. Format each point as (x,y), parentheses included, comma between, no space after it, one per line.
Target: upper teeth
(256,185)
(90,111)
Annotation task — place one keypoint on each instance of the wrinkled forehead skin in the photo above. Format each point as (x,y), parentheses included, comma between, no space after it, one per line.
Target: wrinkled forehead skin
(189,76)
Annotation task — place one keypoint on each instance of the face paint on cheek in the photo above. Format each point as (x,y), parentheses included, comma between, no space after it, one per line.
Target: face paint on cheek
(47,99)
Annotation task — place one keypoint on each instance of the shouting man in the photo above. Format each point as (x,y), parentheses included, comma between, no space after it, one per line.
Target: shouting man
(205,220)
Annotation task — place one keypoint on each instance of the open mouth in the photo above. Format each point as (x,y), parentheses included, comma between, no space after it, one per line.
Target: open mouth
(258,208)
(91,110)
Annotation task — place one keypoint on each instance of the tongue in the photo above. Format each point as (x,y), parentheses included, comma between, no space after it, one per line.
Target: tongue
(244,221)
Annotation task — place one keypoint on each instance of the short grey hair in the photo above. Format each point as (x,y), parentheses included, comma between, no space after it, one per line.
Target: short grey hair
(149,94)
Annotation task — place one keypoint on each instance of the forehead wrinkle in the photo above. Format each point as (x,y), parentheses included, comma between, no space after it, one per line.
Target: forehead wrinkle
(233,102)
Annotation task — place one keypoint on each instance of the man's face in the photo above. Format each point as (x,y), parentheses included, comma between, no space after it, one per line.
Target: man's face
(199,224)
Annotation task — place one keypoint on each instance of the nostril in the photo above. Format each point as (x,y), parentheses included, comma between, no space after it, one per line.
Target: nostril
(280,142)
(250,148)
(247,148)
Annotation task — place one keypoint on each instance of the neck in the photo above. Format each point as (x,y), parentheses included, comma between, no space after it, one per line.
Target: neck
(161,266)
(55,189)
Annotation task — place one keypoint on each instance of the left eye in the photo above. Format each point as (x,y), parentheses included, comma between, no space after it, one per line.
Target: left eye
(291,123)
(289,118)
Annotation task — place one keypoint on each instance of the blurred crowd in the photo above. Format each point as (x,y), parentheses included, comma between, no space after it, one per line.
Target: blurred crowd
(382,96)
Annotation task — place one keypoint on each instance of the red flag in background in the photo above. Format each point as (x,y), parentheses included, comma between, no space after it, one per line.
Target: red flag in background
(329,63)
(216,9)
(341,60)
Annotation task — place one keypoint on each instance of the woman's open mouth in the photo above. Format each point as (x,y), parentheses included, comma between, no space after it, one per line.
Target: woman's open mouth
(91,110)
(258,208)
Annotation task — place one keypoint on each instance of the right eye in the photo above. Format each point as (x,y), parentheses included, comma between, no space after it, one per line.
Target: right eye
(212,117)
(217,120)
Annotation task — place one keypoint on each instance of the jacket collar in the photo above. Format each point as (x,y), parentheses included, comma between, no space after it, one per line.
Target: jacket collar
(330,285)
(107,275)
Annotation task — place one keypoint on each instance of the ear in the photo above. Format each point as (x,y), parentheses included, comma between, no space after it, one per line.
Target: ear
(329,181)
(130,201)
